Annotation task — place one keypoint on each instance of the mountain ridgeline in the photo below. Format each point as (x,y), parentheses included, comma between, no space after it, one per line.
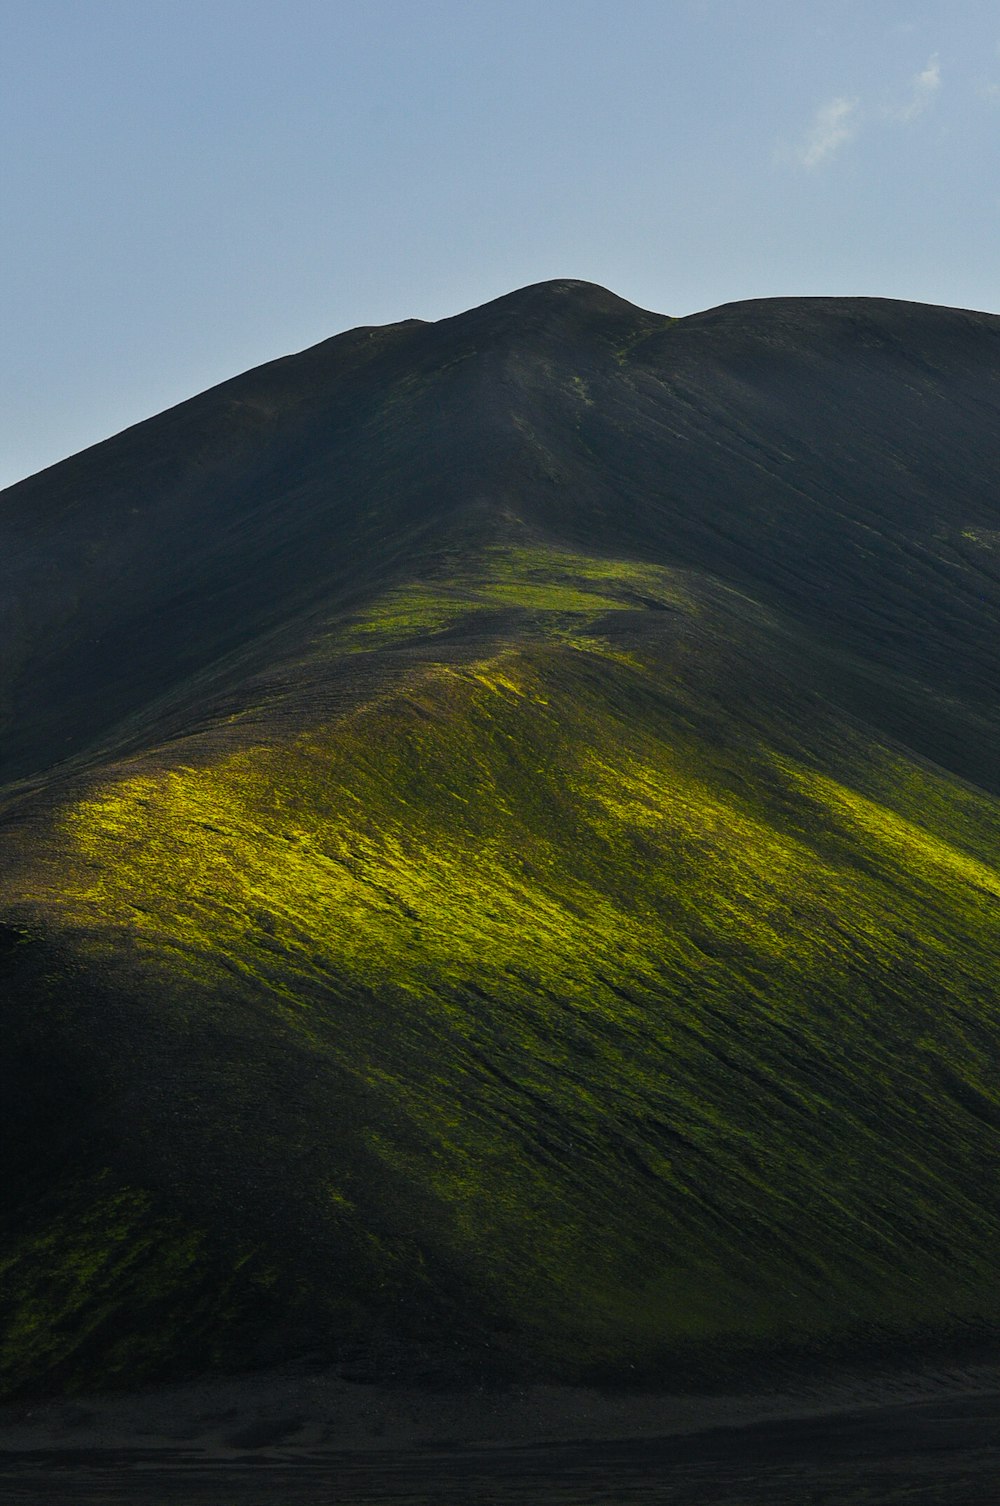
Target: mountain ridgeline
(501,854)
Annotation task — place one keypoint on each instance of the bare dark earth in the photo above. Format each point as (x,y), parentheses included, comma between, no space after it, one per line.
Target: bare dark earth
(945,1452)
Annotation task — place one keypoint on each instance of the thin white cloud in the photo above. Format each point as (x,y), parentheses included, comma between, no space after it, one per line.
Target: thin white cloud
(835,123)
(924,87)
(840,119)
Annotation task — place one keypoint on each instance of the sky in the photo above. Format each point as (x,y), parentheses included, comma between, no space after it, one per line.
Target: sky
(191,187)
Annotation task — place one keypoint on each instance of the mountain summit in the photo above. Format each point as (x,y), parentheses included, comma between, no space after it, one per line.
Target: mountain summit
(501,831)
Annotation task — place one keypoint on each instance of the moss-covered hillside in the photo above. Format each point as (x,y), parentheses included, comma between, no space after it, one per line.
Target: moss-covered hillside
(549,935)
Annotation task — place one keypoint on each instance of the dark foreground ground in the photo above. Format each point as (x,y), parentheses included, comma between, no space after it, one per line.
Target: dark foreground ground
(941,1451)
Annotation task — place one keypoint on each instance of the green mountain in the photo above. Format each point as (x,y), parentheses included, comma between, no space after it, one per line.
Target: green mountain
(500,835)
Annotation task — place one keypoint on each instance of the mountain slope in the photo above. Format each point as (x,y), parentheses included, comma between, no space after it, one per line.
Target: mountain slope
(501,851)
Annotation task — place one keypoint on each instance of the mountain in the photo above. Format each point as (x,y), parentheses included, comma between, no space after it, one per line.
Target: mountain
(501,854)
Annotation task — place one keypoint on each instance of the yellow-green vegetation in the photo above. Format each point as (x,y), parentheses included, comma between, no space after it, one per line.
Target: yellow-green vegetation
(648,1035)
(106,1288)
(562,590)
(84,1257)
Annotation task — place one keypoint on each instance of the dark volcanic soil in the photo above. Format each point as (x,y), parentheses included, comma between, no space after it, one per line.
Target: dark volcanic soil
(940,1452)
(280,1439)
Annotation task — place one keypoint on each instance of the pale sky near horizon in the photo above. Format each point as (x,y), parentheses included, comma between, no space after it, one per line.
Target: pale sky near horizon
(191,187)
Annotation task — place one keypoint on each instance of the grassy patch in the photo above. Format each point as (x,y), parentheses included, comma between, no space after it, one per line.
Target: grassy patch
(546,585)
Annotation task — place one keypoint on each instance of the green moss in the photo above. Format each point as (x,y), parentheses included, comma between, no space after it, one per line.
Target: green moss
(548,585)
(659,1040)
(65,1282)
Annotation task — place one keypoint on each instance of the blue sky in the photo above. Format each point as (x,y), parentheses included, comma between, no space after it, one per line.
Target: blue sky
(191,187)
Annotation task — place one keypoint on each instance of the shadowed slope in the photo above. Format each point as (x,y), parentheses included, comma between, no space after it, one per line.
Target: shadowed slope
(834,458)
(529,926)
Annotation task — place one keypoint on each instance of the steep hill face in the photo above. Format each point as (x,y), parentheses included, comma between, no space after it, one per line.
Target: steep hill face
(500,852)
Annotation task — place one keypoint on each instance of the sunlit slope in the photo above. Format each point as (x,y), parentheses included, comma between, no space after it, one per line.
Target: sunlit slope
(600,997)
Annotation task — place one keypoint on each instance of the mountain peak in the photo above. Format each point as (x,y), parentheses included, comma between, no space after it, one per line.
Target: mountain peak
(559,304)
